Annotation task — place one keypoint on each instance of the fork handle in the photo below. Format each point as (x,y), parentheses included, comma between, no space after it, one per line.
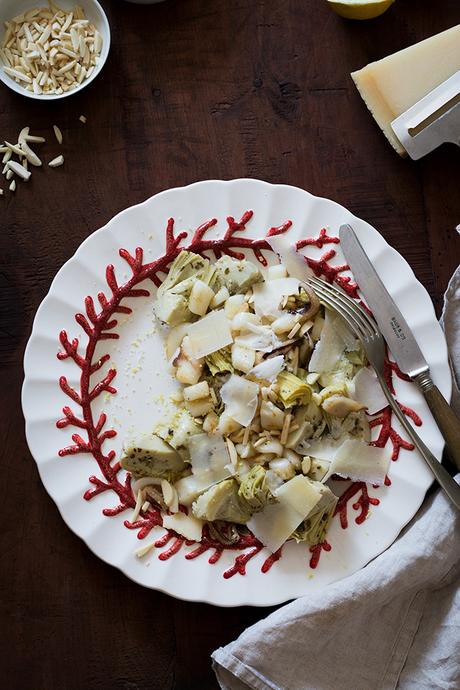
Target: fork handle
(446,419)
(449,485)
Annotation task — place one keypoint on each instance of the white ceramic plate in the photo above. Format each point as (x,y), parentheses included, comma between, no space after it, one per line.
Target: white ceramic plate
(143,384)
(93,11)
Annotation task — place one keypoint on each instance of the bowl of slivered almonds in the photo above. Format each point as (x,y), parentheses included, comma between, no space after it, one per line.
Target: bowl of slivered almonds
(50,51)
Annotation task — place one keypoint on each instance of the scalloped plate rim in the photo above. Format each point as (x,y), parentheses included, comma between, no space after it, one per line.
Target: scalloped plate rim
(274,600)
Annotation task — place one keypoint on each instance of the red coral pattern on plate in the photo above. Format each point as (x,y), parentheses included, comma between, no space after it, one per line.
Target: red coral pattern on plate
(101,325)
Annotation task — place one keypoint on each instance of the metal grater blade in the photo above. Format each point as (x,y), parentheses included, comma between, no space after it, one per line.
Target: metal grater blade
(432,121)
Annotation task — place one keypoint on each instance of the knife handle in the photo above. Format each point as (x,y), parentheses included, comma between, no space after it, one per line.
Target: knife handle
(445,417)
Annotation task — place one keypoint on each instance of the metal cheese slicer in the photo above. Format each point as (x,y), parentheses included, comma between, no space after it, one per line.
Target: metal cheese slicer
(432,121)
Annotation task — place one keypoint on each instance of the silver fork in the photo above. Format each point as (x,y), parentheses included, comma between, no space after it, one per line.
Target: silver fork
(366,330)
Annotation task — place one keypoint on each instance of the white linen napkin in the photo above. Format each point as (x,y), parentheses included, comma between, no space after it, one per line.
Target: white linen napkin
(393,624)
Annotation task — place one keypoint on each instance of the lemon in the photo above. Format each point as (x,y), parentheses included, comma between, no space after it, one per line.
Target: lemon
(360,9)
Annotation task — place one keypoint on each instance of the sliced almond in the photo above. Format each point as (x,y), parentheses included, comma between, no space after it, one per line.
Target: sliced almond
(232,452)
(34,139)
(16,74)
(56,162)
(30,155)
(14,148)
(19,169)
(58,134)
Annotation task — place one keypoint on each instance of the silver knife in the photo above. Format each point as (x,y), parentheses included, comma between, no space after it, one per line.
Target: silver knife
(400,338)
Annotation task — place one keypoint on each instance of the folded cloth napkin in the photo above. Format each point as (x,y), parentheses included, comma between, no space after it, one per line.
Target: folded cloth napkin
(393,624)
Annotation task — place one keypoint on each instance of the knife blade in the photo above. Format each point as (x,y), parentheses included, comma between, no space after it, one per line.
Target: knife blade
(391,322)
(400,338)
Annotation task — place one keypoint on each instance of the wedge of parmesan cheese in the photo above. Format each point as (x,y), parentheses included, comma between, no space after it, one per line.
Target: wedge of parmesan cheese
(392,85)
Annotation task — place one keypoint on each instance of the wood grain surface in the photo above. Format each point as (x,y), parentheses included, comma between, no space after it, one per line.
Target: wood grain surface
(193,89)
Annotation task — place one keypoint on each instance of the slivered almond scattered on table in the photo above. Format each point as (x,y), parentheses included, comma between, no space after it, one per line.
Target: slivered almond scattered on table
(26,156)
(49,50)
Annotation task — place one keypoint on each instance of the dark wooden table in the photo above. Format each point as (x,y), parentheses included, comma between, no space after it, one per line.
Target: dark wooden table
(193,89)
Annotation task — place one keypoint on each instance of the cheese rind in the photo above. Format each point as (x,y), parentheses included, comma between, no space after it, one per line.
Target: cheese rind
(391,86)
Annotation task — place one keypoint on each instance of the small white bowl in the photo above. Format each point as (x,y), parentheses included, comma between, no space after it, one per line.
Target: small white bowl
(93,12)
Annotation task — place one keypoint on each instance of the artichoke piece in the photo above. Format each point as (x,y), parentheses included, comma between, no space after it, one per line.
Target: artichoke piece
(222,502)
(292,390)
(340,406)
(153,457)
(309,420)
(357,357)
(254,490)
(355,424)
(223,532)
(179,429)
(172,309)
(171,303)
(314,528)
(220,361)
(304,302)
(237,275)
(318,469)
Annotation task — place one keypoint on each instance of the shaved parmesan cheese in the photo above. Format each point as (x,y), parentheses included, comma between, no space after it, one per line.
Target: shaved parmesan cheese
(189,488)
(240,398)
(208,455)
(260,338)
(322,448)
(343,331)
(271,417)
(357,461)
(368,391)
(174,339)
(328,349)
(186,525)
(269,369)
(244,321)
(243,357)
(295,263)
(227,424)
(277,271)
(276,522)
(268,296)
(301,493)
(233,305)
(209,334)
(285,323)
